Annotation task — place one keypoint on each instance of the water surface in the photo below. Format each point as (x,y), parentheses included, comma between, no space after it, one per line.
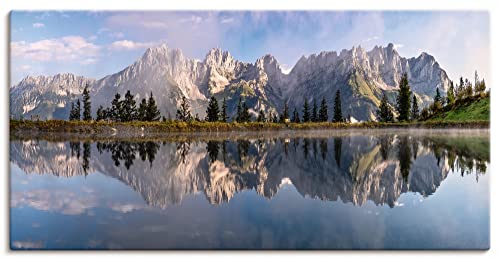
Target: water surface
(334,190)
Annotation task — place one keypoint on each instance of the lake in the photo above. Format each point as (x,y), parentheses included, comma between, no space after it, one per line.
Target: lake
(380,189)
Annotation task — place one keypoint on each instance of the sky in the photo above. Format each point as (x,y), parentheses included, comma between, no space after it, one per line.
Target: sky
(95,44)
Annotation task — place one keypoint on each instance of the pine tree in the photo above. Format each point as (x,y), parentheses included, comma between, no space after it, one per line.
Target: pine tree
(142,110)
(306,115)
(476,82)
(404,99)
(87,116)
(72,112)
(152,111)
(212,110)
(245,115)
(384,112)
(437,97)
(184,112)
(285,115)
(261,117)
(314,113)
(116,108)
(100,114)
(468,88)
(323,111)
(337,108)
(223,113)
(129,109)
(77,110)
(239,112)
(414,109)
(450,94)
(295,117)
(460,89)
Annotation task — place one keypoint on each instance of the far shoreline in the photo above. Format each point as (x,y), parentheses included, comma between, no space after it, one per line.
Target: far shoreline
(59,129)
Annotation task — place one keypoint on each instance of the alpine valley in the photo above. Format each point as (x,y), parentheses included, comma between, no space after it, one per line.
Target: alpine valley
(361,76)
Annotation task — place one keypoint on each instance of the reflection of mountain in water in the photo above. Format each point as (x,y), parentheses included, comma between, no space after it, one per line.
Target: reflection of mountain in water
(353,169)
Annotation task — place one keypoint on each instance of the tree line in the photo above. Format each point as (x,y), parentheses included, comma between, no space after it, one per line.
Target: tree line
(121,110)
(214,113)
(407,108)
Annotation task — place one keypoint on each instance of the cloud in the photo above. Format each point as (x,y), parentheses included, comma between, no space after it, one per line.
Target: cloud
(27,244)
(398,46)
(38,25)
(227,20)
(127,45)
(369,39)
(65,49)
(61,201)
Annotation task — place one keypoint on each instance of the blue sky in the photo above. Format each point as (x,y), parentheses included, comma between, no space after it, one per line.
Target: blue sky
(95,44)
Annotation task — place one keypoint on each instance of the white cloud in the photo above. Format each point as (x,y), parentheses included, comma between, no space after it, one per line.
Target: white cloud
(117,35)
(38,25)
(227,20)
(128,45)
(69,48)
(398,46)
(27,244)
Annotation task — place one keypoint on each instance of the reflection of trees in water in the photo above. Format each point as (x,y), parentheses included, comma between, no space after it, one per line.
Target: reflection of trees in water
(243,146)
(323,146)
(337,146)
(126,151)
(75,149)
(86,157)
(305,147)
(385,146)
(182,149)
(404,156)
(213,150)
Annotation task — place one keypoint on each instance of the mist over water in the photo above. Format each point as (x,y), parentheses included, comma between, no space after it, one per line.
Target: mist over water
(335,190)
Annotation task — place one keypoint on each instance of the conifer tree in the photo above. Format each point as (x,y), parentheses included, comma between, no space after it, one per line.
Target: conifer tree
(337,108)
(285,115)
(468,88)
(414,109)
(295,117)
(223,113)
(87,116)
(142,110)
(100,114)
(77,110)
(404,99)
(306,116)
(152,111)
(384,112)
(116,108)
(129,109)
(184,112)
(460,89)
(245,115)
(72,112)
(314,113)
(323,111)
(239,112)
(212,110)
(450,94)
(437,97)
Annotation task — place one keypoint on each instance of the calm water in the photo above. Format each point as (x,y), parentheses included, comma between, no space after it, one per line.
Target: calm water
(308,191)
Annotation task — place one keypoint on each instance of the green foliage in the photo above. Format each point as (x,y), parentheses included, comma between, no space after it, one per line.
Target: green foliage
(152,111)
(142,111)
(87,116)
(212,110)
(285,115)
(384,112)
(116,108)
(314,113)
(101,114)
(323,111)
(74,114)
(337,108)
(295,116)
(223,112)
(129,108)
(183,112)
(450,94)
(464,110)
(414,109)
(306,115)
(403,100)
(242,115)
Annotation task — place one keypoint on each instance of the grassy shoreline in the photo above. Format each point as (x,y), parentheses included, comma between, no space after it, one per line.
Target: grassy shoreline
(60,126)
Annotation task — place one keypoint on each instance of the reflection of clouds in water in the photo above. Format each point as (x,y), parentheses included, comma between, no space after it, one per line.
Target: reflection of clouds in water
(66,202)
(27,245)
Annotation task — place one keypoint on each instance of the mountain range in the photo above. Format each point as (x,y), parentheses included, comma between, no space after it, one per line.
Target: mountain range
(361,76)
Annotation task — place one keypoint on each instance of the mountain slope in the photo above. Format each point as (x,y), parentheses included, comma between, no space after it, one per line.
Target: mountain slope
(361,76)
